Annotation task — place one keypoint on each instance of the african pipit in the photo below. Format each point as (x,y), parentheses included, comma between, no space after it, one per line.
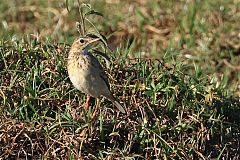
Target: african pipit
(87,74)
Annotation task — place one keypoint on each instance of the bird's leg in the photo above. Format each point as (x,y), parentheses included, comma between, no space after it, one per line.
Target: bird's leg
(96,108)
(87,102)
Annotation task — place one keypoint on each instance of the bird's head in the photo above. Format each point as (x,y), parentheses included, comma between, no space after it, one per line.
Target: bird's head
(83,43)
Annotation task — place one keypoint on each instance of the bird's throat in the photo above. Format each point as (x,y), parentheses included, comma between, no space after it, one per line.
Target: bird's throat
(86,50)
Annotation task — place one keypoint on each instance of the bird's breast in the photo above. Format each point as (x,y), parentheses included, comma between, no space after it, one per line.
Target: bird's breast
(80,74)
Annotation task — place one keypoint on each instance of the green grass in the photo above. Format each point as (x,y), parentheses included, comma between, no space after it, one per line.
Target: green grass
(175,67)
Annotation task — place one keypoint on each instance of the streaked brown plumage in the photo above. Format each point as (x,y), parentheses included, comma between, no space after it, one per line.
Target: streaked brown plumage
(87,74)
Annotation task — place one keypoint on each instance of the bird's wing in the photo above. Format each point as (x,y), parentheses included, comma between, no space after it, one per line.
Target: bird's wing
(98,66)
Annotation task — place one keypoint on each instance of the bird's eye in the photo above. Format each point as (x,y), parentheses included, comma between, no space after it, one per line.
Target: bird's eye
(81,41)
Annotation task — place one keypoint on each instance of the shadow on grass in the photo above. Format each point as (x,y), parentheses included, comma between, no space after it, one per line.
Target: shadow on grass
(226,135)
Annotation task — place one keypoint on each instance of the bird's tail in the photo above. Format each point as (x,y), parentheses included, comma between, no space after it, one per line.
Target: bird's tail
(116,103)
(119,106)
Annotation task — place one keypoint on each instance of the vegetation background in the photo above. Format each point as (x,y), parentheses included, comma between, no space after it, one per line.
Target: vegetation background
(175,67)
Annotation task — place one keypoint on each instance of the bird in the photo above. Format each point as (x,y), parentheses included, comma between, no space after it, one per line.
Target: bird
(87,74)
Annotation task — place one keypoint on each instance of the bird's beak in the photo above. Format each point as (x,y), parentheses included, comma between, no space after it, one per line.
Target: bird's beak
(93,40)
